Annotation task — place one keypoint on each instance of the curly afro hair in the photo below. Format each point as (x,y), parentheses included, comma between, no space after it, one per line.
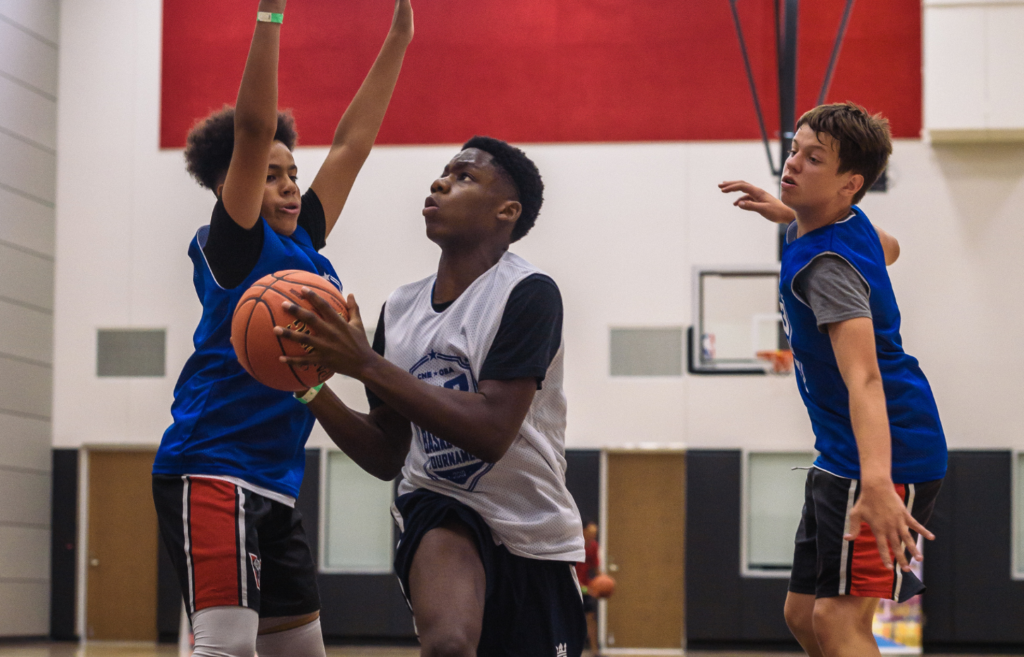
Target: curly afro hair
(211,141)
(519,170)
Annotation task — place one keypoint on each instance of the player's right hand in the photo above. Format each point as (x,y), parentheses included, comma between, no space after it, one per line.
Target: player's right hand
(757,200)
(891,523)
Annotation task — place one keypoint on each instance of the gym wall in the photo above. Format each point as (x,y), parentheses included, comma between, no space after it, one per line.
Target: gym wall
(28,139)
(624,223)
(638,216)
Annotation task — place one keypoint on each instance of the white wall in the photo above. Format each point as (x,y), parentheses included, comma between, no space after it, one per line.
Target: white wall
(621,229)
(28,139)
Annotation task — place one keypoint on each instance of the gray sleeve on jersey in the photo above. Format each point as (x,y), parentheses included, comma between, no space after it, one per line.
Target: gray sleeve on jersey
(834,290)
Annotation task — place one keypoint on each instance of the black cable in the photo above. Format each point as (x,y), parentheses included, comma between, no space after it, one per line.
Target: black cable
(753,88)
(835,52)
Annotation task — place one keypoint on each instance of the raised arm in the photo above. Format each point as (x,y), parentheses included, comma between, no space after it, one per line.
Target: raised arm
(255,122)
(360,124)
(757,200)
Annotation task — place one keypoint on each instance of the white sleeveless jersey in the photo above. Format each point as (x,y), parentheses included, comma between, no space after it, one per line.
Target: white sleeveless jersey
(522,497)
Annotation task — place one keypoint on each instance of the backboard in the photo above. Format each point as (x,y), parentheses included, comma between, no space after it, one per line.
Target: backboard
(735,316)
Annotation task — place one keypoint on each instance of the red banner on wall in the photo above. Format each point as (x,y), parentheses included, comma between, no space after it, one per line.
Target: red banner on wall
(545,70)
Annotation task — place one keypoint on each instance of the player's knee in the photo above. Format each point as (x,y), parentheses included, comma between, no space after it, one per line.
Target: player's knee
(799,619)
(450,642)
(837,619)
(225,632)
(303,641)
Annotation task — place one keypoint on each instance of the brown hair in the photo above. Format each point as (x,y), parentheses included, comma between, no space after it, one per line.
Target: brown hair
(864,140)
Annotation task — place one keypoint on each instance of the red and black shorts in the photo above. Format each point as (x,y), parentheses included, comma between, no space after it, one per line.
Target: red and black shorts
(825,565)
(233,547)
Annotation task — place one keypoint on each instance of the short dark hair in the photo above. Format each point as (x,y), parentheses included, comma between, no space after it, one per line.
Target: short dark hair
(521,172)
(211,141)
(865,143)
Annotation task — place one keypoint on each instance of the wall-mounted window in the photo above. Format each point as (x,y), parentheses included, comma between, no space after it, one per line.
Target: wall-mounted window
(773,502)
(357,519)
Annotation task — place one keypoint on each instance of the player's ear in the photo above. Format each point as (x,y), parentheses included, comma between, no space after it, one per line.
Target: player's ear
(853,185)
(510,211)
(219,191)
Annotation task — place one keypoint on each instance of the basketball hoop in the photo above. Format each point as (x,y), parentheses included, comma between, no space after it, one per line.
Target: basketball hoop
(780,360)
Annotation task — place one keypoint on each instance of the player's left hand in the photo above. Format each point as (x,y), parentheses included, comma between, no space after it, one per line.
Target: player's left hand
(890,521)
(336,343)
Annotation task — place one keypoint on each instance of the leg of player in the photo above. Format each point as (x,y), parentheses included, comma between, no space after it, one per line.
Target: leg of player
(225,631)
(291,636)
(842,626)
(447,586)
(800,619)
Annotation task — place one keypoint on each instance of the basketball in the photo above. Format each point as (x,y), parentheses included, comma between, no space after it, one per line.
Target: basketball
(260,310)
(601,586)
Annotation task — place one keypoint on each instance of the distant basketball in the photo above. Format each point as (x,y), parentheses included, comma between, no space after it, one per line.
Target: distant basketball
(259,311)
(601,586)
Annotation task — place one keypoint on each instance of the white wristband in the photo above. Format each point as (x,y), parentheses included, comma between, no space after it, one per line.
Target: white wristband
(310,394)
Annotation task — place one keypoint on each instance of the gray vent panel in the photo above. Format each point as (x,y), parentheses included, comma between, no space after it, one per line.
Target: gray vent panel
(647,351)
(131,352)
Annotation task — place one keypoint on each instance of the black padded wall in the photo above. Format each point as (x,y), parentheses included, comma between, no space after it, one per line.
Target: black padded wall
(972,600)
(63,544)
(724,609)
(583,479)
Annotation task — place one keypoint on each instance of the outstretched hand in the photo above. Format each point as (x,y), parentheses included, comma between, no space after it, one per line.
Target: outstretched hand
(890,521)
(402,24)
(757,200)
(336,343)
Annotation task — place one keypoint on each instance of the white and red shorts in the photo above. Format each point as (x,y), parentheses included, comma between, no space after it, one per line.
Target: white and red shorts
(825,565)
(233,547)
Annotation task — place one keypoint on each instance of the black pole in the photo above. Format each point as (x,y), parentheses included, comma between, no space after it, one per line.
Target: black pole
(835,52)
(753,87)
(787,76)
(786,35)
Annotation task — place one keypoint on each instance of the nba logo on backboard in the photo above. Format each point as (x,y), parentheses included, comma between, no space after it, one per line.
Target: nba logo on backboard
(707,345)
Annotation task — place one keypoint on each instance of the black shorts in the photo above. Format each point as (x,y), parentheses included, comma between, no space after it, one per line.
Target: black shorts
(233,547)
(532,607)
(826,566)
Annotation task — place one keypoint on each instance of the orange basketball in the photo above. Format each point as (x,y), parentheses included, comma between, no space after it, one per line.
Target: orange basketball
(601,586)
(260,310)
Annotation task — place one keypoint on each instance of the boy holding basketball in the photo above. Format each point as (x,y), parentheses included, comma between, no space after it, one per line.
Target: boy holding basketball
(465,386)
(229,467)
(882,450)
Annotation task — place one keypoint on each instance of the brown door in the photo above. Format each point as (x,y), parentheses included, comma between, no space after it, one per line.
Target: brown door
(645,543)
(122,559)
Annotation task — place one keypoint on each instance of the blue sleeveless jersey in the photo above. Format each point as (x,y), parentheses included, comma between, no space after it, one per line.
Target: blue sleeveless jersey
(225,422)
(918,443)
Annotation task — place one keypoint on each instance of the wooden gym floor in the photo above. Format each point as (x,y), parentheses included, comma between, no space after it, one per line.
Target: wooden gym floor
(150,650)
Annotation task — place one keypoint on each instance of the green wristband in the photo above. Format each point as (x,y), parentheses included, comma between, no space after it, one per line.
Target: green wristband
(267,17)
(310,394)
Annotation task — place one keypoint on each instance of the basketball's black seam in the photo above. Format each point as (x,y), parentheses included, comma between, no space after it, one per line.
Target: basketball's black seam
(279,343)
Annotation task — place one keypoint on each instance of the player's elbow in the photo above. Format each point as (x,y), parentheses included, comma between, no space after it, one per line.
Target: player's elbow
(496,445)
(387,472)
(892,251)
